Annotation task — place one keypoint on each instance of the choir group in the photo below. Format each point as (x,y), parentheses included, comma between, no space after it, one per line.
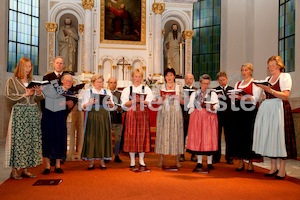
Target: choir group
(256,119)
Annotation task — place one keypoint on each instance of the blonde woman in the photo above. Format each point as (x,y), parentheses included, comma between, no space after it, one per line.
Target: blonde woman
(24,138)
(244,112)
(274,134)
(97,130)
(137,127)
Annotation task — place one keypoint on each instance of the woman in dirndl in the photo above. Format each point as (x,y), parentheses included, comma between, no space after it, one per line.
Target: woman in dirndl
(203,126)
(24,138)
(244,109)
(274,134)
(169,121)
(97,129)
(137,124)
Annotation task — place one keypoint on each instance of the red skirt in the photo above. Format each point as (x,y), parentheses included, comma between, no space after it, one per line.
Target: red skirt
(137,131)
(203,132)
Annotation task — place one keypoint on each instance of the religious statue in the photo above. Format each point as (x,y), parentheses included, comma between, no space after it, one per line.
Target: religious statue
(67,45)
(172,48)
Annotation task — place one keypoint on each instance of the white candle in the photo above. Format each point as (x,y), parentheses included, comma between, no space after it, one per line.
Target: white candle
(82,76)
(108,77)
(161,79)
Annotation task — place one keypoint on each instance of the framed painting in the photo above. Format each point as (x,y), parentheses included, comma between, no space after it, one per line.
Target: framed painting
(123,22)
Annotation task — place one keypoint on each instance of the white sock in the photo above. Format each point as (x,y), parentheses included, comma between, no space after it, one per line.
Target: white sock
(199,158)
(141,158)
(132,158)
(209,160)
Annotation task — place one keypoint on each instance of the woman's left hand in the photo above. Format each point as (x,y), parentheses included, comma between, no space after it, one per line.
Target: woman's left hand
(70,104)
(38,89)
(264,87)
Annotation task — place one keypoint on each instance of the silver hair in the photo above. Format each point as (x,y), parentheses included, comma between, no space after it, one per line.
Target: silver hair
(204,76)
(65,75)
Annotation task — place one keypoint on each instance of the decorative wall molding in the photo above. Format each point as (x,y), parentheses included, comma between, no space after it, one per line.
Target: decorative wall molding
(51,26)
(158,8)
(88,4)
(188,34)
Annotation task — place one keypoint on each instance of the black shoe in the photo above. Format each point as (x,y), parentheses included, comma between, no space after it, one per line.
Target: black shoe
(59,170)
(106,161)
(271,175)
(46,171)
(240,169)
(117,159)
(279,177)
(142,165)
(210,166)
(229,162)
(198,166)
(132,166)
(103,168)
(250,170)
(91,168)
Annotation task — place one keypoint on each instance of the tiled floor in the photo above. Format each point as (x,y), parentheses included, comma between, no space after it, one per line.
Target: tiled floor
(292,166)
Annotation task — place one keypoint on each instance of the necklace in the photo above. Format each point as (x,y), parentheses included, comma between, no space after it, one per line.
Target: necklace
(170,86)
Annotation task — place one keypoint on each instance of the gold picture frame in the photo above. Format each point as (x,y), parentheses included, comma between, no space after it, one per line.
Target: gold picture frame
(142,38)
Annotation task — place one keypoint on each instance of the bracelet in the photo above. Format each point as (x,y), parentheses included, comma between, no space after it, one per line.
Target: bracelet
(272,92)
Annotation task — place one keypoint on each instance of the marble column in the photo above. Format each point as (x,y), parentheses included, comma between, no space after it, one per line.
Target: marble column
(88,5)
(158,9)
(51,29)
(188,36)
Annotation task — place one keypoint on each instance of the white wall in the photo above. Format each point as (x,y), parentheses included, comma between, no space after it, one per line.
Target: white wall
(249,33)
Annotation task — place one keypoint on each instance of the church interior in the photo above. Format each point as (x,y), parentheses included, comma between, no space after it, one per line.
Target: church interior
(215,35)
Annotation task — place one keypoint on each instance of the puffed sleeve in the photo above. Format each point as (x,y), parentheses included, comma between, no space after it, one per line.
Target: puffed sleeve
(125,96)
(214,98)
(85,98)
(12,94)
(149,93)
(191,104)
(285,82)
(257,91)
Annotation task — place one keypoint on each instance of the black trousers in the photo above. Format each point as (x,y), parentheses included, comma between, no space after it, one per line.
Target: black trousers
(223,122)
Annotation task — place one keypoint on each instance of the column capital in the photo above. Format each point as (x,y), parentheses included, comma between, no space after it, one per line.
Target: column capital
(51,26)
(81,29)
(158,8)
(88,4)
(188,34)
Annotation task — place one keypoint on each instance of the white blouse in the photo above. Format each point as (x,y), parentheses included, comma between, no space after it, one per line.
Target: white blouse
(214,98)
(257,91)
(126,92)
(285,81)
(87,95)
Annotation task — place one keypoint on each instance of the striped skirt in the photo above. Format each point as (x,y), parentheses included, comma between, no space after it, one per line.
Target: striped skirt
(137,131)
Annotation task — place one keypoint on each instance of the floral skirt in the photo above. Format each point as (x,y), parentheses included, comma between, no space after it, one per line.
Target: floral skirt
(24,138)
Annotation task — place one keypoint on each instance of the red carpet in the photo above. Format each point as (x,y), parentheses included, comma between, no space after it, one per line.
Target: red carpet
(117,182)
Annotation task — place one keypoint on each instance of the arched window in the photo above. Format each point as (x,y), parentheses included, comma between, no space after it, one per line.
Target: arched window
(287,33)
(23,33)
(206,40)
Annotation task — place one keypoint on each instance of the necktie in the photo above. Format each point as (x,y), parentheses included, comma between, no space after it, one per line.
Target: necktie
(58,76)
